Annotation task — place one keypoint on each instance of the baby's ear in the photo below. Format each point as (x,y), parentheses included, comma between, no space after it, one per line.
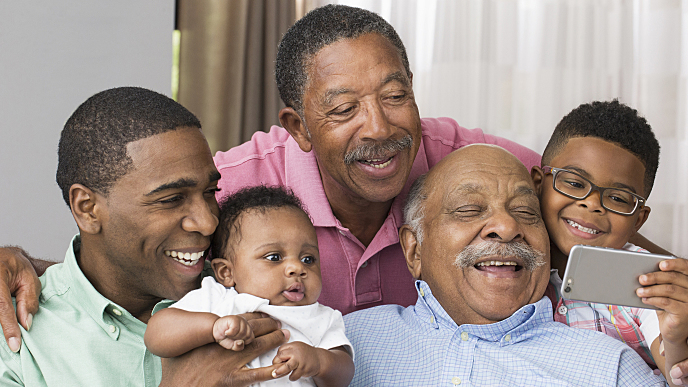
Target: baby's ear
(224,271)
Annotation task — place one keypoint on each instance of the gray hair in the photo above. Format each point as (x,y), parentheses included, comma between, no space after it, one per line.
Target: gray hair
(414,210)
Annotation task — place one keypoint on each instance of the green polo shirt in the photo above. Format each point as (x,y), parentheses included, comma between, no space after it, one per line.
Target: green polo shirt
(79,338)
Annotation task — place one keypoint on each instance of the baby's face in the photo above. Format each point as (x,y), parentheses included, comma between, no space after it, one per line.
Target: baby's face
(569,221)
(276,257)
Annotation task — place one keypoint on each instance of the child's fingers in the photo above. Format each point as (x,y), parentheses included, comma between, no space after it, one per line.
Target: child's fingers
(660,277)
(668,291)
(282,370)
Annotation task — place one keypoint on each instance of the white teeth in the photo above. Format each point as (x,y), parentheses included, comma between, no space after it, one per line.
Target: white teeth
(584,229)
(497,263)
(378,166)
(188,259)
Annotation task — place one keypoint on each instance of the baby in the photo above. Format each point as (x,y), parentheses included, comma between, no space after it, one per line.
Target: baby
(597,172)
(265,259)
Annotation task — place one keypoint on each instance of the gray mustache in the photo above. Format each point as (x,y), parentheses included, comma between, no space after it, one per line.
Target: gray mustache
(377,150)
(531,257)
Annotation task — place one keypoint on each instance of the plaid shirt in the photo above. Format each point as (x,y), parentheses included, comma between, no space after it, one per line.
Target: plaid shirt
(422,346)
(637,327)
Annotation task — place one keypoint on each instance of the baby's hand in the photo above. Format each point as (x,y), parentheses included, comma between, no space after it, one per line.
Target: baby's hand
(668,289)
(232,332)
(299,358)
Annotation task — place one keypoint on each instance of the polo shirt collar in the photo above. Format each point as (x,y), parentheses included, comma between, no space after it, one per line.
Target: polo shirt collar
(303,177)
(99,308)
(429,311)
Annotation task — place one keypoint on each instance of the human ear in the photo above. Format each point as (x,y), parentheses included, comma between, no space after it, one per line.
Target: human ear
(411,249)
(86,208)
(224,271)
(538,177)
(643,213)
(291,121)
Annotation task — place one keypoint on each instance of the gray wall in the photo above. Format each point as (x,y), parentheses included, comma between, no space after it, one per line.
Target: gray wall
(53,56)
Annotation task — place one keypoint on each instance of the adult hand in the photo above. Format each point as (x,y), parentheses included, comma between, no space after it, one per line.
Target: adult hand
(212,365)
(17,277)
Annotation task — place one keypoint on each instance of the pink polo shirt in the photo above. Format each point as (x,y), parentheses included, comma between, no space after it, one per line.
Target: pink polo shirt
(354,277)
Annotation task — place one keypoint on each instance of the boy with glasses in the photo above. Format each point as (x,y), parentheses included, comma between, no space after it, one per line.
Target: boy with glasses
(597,172)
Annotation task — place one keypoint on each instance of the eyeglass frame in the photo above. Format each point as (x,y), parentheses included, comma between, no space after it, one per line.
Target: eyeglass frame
(593,187)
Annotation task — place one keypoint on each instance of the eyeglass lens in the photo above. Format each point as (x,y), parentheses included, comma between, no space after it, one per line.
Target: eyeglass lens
(578,188)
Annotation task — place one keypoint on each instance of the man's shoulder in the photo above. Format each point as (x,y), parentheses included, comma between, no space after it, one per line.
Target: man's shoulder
(262,145)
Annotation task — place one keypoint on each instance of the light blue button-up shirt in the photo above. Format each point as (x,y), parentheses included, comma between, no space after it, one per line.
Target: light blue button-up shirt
(422,346)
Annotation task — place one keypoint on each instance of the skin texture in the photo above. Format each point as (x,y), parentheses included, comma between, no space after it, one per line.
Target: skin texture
(606,165)
(166,203)
(358,93)
(479,193)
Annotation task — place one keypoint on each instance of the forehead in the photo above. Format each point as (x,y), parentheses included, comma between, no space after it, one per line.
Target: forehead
(484,173)
(369,54)
(603,162)
(264,224)
(177,155)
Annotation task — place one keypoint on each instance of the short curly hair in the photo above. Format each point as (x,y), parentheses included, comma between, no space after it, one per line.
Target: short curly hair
(319,28)
(93,144)
(260,198)
(614,122)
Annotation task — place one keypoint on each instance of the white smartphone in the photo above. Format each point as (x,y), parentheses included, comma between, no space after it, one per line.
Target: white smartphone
(607,276)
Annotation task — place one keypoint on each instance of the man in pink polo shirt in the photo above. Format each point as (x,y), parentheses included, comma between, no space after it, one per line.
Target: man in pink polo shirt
(352,144)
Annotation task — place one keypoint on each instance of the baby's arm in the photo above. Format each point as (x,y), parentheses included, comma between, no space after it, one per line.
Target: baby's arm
(333,367)
(668,289)
(172,332)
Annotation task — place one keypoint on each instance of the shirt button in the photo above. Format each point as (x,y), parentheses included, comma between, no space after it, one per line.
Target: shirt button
(507,338)
(464,336)
(117,312)
(422,293)
(432,319)
(342,232)
(113,329)
(456,380)
(364,264)
(562,309)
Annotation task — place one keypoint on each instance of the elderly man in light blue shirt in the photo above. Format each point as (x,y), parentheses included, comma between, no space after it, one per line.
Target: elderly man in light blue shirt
(478,248)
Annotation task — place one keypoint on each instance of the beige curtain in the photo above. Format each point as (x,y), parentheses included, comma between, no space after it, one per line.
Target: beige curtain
(227,65)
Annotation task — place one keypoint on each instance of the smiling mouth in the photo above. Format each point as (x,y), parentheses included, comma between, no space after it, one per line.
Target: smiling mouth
(498,266)
(378,163)
(591,231)
(186,259)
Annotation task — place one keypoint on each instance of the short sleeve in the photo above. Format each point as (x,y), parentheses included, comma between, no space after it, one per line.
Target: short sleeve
(335,335)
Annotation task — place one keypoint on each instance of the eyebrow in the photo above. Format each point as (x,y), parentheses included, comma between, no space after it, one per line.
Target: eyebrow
(183,183)
(587,175)
(396,76)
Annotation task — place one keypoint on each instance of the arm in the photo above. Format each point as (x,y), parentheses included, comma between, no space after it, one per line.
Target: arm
(639,240)
(668,289)
(17,276)
(172,332)
(332,367)
(212,365)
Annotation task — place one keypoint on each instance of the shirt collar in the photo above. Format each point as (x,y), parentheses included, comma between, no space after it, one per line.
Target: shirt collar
(303,177)
(429,311)
(99,308)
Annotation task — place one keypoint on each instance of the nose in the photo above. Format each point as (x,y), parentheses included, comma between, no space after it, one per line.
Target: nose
(502,227)
(294,268)
(201,218)
(376,126)
(593,202)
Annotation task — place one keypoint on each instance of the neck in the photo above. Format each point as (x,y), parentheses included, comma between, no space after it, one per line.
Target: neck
(363,218)
(112,283)
(558,259)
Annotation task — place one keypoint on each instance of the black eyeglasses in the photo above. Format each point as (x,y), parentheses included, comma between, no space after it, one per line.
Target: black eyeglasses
(575,186)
